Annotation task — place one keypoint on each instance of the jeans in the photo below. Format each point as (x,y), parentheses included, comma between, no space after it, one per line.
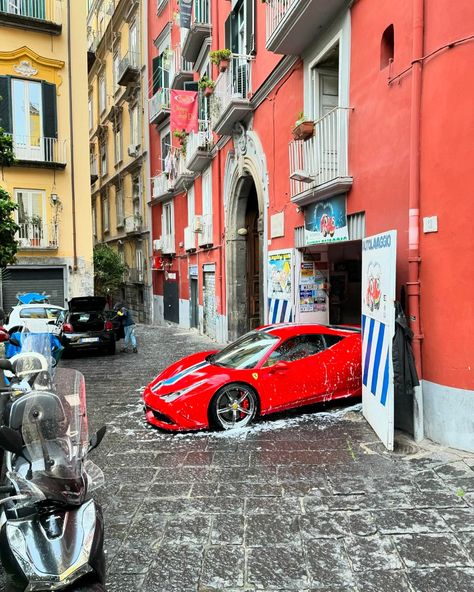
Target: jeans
(130,336)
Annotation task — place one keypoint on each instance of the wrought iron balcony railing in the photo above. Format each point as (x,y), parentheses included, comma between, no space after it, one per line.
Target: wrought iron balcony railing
(159,105)
(37,235)
(39,149)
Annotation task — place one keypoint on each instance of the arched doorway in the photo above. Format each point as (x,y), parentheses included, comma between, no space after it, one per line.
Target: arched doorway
(245,259)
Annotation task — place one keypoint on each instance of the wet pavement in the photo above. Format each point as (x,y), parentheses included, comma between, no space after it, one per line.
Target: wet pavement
(305,501)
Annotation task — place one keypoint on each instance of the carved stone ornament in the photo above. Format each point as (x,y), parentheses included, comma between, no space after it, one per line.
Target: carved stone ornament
(240,139)
(25,69)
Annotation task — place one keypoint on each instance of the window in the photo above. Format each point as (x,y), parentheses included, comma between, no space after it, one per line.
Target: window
(134,127)
(103,158)
(28,111)
(119,206)
(91,112)
(162,67)
(118,144)
(165,141)
(105,213)
(191,206)
(94,219)
(136,198)
(167,220)
(31,217)
(332,340)
(40,312)
(387,47)
(246,352)
(139,262)
(116,70)
(133,43)
(205,238)
(102,94)
(240,28)
(297,348)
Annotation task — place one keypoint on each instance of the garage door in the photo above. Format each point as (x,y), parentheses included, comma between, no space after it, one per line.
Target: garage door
(17,281)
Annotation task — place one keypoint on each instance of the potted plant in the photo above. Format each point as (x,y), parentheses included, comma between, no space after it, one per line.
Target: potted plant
(207,86)
(181,137)
(35,227)
(221,58)
(304,129)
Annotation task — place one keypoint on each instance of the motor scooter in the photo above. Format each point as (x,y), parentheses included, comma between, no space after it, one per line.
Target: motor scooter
(51,529)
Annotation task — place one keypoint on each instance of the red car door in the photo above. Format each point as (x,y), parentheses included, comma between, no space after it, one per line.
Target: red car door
(344,365)
(295,373)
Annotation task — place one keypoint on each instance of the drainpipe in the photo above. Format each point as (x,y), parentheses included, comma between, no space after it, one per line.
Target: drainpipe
(71,134)
(414,260)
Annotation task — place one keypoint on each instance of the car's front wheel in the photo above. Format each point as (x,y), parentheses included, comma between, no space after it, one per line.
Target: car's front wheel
(233,406)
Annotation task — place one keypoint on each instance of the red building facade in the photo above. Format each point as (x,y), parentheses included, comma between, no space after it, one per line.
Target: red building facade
(385,92)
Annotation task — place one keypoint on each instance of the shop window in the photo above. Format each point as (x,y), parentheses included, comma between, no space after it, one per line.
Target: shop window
(387,47)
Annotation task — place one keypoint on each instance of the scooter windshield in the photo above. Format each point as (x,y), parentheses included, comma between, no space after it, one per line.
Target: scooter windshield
(54,430)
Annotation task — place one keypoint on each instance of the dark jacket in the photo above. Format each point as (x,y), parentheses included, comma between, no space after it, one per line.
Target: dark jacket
(126,317)
(404,369)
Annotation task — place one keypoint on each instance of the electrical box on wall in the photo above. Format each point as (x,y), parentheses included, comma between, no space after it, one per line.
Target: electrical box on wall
(430,224)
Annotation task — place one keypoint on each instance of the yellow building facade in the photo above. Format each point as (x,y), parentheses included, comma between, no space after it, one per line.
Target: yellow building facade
(118,154)
(43,90)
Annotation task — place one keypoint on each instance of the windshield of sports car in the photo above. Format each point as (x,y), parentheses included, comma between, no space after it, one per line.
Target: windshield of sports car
(246,352)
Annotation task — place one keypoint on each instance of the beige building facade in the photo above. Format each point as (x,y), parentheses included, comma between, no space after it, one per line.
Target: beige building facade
(43,90)
(118,151)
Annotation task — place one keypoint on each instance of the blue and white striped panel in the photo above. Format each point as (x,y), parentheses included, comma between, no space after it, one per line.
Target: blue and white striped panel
(279,311)
(376,358)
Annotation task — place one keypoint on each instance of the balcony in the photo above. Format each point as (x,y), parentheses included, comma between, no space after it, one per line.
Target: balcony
(292,25)
(199,31)
(92,44)
(33,15)
(182,70)
(198,148)
(129,69)
(230,102)
(133,224)
(184,177)
(319,166)
(159,106)
(168,244)
(134,275)
(189,239)
(37,151)
(163,186)
(36,235)
(94,166)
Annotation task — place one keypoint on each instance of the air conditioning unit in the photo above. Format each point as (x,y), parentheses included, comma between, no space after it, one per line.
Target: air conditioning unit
(197,224)
(157,244)
(132,150)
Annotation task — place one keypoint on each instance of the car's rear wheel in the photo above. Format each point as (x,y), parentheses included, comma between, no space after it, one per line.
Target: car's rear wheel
(233,406)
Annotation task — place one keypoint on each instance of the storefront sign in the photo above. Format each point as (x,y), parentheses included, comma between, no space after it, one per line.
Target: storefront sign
(184,110)
(326,221)
(379,260)
(185,8)
(280,286)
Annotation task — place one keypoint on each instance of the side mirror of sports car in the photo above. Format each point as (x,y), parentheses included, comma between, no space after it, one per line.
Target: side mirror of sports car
(279,367)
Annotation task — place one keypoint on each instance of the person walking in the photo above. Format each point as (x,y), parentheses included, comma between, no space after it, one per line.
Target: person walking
(129,327)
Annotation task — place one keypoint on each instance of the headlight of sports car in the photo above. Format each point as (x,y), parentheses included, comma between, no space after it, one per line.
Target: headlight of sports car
(170,397)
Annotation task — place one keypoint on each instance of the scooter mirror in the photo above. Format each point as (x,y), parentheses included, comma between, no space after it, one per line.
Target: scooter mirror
(97,438)
(11,441)
(6,365)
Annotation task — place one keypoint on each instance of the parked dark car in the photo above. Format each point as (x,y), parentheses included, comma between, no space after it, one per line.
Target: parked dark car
(86,326)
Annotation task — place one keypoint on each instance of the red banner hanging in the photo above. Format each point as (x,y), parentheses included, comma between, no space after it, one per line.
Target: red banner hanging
(184,111)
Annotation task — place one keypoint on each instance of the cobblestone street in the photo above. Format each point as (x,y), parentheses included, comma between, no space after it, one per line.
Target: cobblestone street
(306,501)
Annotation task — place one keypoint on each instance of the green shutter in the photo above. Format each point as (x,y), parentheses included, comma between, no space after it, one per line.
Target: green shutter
(6,104)
(50,114)
(156,74)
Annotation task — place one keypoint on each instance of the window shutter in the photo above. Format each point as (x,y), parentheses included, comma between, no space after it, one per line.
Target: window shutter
(250,27)
(227,31)
(156,74)
(6,104)
(50,113)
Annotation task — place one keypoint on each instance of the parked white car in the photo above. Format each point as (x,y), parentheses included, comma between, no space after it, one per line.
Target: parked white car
(38,318)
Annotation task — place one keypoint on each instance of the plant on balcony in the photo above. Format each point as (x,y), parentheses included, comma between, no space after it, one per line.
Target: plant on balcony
(304,129)
(221,58)
(206,85)
(180,136)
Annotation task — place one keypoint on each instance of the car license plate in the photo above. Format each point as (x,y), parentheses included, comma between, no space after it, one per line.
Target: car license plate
(89,339)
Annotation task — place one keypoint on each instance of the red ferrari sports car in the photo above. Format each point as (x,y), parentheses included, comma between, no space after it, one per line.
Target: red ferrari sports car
(270,369)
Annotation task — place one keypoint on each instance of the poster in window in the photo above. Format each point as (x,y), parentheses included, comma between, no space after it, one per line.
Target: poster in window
(280,286)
